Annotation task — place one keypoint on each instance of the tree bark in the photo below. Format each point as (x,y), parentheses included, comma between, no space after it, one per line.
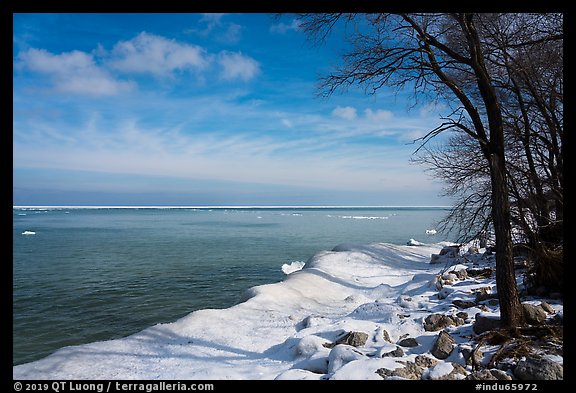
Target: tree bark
(511,313)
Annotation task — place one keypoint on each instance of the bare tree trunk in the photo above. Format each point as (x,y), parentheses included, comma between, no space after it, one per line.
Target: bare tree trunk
(511,313)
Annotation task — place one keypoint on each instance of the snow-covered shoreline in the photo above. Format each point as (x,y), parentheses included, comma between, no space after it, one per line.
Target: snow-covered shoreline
(356,312)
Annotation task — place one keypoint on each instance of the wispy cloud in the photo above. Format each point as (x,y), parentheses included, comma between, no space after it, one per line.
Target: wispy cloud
(149,53)
(235,65)
(73,72)
(283,28)
(102,72)
(346,112)
(314,150)
(223,31)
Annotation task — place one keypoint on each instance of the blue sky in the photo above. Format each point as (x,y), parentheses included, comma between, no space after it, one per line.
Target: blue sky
(202,109)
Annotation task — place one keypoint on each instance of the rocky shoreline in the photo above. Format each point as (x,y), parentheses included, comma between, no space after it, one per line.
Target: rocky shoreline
(467,333)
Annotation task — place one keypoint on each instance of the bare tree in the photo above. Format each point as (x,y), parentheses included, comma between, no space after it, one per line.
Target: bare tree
(447,55)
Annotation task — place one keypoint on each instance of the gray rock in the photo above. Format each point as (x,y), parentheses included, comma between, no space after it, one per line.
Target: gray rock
(481,375)
(386,335)
(485,323)
(425,361)
(473,250)
(408,342)
(409,371)
(467,353)
(435,258)
(538,369)
(450,251)
(548,308)
(493,375)
(435,322)
(397,353)
(460,274)
(462,314)
(443,345)
(457,372)
(534,315)
(355,339)
(463,303)
(500,375)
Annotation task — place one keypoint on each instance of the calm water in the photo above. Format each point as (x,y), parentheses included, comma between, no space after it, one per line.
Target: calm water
(96,274)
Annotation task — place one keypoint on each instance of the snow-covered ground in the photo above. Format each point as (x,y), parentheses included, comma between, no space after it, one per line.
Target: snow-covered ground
(356,312)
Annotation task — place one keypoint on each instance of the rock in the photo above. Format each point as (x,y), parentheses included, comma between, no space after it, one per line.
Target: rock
(481,375)
(386,335)
(443,345)
(397,353)
(534,315)
(483,293)
(485,322)
(480,272)
(435,322)
(462,315)
(548,308)
(458,372)
(538,369)
(500,375)
(409,371)
(473,250)
(463,303)
(460,274)
(425,361)
(493,374)
(408,342)
(435,258)
(450,251)
(468,352)
(355,339)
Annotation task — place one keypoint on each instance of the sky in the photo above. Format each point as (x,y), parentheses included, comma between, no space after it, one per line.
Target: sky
(203,109)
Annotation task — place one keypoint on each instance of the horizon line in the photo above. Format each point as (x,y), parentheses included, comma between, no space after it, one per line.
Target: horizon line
(214,206)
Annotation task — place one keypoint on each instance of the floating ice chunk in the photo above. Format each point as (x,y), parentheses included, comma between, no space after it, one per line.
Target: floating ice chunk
(28,233)
(431,231)
(288,268)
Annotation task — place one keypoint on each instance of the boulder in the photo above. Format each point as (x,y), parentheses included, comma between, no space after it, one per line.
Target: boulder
(435,322)
(443,345)
(397,353)
(355,339)
(485,322)
(534,315)
(408,342)
(409,371)
(538,369)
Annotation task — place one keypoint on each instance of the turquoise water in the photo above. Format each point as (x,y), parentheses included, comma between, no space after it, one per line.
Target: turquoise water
(96,274)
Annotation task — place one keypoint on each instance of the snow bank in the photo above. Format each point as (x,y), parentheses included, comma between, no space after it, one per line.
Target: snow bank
(349,313)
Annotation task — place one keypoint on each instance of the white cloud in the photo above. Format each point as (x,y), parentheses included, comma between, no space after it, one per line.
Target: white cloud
(149,53)
(345,112)
(212,20)
(73,72)
(283,28)
(94,73)
(235,65)
(378,115)
(213,25)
